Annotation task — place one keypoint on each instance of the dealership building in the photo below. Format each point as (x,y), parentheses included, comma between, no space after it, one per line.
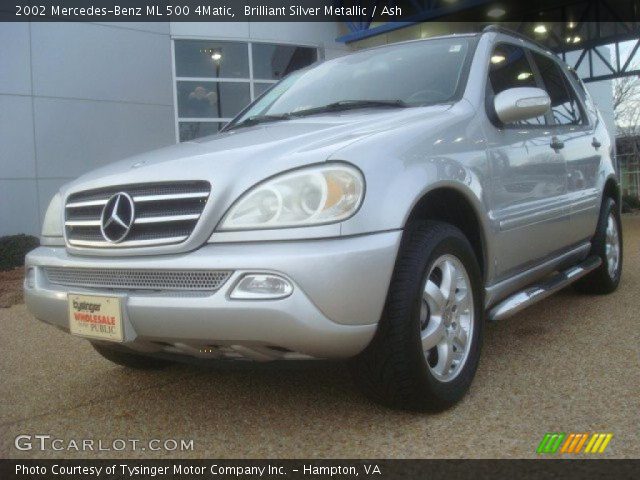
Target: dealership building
(75,96)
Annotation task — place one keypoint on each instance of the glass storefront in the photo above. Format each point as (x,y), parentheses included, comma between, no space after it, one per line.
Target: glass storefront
(216,79)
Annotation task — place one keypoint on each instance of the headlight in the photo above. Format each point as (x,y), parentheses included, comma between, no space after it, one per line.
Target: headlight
(52,225)
(309,196)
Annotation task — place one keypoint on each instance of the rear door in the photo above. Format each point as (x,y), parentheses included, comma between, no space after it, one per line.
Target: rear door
(575,135)
(529,202)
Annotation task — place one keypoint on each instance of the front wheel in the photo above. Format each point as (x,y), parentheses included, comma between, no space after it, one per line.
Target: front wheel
(427,347)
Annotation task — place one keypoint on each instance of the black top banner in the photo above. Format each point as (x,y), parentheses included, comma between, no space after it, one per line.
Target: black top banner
(357,11)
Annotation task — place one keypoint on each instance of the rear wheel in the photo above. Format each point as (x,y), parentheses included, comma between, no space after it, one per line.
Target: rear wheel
(607,244)
(426,350)
(129,359)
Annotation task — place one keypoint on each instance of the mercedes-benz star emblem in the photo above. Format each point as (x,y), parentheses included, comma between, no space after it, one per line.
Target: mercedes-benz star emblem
(117,217)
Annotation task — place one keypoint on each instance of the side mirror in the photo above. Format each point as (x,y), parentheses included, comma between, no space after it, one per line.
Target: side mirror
(521,103)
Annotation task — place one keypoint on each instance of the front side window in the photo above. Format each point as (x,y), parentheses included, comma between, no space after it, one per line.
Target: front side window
(564,104)
(509,67)
(413,74)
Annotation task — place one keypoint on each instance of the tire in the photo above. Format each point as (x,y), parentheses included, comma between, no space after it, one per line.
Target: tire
(606,278)
(394,370)
(129,359)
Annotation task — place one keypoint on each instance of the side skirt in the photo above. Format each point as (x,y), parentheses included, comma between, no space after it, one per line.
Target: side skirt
(534,293)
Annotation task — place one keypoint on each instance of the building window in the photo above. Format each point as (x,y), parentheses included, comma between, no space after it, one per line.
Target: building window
(215,79)
(272,62)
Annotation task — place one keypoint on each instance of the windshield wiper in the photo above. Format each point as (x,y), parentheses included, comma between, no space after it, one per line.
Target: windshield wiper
(349,105)
(332,107)
(256,119)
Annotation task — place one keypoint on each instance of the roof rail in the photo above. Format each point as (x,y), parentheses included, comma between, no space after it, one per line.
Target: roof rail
(507,31)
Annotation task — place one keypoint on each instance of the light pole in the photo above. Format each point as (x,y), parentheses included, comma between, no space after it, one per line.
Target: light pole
(216,56)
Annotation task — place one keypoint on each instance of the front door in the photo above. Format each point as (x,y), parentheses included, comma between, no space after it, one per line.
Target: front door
(530,206)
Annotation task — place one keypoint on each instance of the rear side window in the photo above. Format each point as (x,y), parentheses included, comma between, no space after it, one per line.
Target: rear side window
(510,68)
(564,104)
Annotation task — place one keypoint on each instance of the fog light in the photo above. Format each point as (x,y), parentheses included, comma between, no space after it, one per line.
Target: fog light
(30,278)
(261,286)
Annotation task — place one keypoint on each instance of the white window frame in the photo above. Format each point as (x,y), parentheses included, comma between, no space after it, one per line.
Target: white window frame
(251,80)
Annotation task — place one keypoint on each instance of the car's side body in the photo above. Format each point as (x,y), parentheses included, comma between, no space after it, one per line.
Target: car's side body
(527,208)
(536,208)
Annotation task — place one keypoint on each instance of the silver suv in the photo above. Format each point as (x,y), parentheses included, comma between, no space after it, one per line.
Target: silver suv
(376,207)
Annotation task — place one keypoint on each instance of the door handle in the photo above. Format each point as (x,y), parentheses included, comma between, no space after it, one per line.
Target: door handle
(557,144)
(595,143)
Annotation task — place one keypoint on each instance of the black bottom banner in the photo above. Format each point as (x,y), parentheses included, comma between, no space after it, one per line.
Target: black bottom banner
(315,469)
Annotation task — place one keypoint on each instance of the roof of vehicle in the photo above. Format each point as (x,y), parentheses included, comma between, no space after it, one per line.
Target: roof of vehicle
(488,29)
(512,33)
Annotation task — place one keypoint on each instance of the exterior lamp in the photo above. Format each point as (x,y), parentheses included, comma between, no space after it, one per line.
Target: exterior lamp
(496,12)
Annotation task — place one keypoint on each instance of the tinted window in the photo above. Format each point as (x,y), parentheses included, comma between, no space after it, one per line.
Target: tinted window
(211,59)
(510,68)
(200,99)
(272,62)
(564,104)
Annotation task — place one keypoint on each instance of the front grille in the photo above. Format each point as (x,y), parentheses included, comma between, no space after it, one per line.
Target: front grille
(138,279)
(165,213)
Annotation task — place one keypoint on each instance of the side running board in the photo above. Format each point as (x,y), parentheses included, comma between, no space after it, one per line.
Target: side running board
(534,293)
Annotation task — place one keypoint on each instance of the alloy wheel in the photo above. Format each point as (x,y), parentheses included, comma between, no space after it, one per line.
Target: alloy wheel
(447,317)
(612,246)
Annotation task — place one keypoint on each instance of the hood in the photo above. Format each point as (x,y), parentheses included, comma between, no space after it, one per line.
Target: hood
(234,161)
(251,154)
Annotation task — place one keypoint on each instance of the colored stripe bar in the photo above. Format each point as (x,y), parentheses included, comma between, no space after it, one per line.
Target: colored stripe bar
(558,442)
(594,437)
(605,442)
(581,442)
(596,446)
(570,439)
(549,446)
(543,443)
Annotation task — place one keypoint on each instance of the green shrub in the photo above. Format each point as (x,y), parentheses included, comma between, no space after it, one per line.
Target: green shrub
(13,249)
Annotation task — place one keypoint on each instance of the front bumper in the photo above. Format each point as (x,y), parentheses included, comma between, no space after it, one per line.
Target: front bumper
(340,288)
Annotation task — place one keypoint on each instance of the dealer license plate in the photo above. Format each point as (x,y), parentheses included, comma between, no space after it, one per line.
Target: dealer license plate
(96,317)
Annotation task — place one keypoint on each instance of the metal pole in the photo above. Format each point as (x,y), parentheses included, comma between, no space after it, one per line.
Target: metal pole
(218,90)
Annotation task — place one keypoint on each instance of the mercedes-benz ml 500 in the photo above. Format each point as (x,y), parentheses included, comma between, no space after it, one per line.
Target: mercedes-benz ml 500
(376,207)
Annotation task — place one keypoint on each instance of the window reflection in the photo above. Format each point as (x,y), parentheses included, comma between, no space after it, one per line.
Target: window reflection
(259,88)
(272,62)
(564,104)
(212,99)
(211,59)
(193,130)
(510,68)
(198,65)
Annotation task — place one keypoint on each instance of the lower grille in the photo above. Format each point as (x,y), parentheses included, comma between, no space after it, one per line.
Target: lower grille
(134,279)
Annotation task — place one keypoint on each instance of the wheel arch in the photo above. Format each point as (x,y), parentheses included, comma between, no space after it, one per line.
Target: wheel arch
(451,205)
(612,190)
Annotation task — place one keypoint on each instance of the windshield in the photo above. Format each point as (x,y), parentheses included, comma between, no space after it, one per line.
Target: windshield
(403,75)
